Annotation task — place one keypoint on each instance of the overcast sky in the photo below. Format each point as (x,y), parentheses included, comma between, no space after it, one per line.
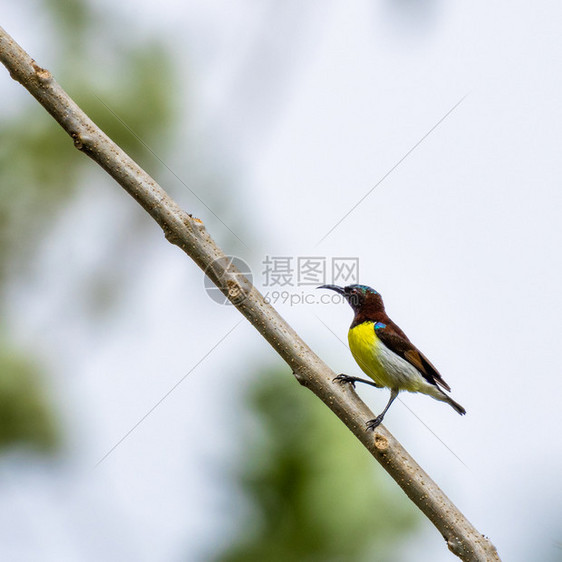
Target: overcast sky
(308,106)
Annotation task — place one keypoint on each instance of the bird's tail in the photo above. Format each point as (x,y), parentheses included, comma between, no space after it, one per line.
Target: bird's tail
(458,408)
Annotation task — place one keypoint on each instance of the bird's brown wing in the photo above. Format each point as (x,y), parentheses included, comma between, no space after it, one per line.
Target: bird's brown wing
(397,341)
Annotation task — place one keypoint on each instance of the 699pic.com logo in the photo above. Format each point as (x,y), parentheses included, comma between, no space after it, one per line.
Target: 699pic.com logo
(230,275)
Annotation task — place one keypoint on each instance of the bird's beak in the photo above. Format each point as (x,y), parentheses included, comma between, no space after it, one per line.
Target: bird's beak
(335,288)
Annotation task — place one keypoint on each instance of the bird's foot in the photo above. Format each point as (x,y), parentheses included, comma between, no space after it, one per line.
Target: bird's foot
(345,379)
(374,423)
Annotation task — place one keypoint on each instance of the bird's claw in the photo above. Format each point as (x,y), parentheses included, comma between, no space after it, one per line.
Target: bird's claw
(345,379)
(374,423)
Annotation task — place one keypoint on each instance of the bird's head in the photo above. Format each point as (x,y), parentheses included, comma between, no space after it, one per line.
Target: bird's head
(359,297)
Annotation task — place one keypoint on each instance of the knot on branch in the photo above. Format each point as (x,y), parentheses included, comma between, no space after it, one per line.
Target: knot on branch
(172,236)
(174,232)
(457,546)
(301,378)
(81,141)
(381,442)
(43,75)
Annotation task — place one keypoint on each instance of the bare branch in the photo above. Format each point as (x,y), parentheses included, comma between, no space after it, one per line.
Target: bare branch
(189,234)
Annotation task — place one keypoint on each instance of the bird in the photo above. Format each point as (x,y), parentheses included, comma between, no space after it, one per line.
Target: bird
(385,354)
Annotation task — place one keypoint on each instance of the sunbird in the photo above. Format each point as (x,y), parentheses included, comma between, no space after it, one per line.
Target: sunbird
(384,352)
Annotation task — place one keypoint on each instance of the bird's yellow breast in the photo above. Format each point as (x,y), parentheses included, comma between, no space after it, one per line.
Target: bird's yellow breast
(366,349)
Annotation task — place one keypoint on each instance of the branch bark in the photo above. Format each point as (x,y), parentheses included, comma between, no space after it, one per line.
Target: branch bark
(191,236)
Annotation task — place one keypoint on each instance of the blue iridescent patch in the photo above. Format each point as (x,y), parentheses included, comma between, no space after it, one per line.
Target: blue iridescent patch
(364,289)
(379,325)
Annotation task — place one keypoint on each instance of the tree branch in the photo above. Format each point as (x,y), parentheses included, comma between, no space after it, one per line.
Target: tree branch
(189,234)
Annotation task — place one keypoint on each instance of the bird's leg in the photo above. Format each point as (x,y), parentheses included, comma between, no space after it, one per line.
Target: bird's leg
(345,379)
(371,424)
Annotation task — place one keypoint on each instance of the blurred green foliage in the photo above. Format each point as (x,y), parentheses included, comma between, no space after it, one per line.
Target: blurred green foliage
(314,492)
(40,169)
(26,416)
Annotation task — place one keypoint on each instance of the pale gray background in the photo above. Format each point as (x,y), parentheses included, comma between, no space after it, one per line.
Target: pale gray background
(306,106)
